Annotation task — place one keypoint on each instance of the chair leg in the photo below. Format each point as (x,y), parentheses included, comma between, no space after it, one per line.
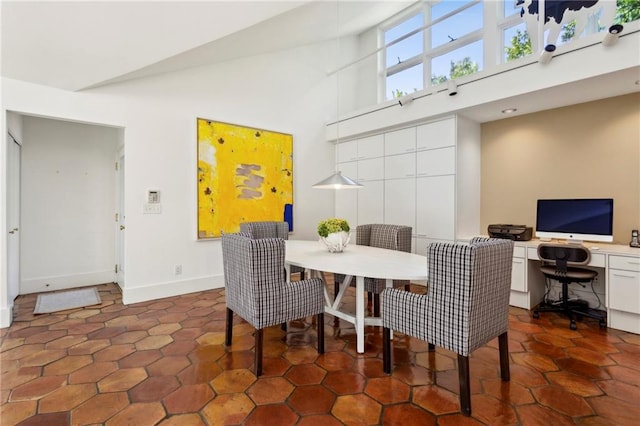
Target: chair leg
(503,346)
(320,325)
(376,305)
(407,287)
(228,335)
(465,389)
(431,347)
(301,275)
(258,350)
(386,350)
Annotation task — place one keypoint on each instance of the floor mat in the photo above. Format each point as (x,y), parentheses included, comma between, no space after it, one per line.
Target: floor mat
(63,300)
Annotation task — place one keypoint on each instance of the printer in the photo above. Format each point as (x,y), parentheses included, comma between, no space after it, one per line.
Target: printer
(510,232)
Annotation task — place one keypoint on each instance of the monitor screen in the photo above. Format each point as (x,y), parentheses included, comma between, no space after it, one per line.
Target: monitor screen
(589,219)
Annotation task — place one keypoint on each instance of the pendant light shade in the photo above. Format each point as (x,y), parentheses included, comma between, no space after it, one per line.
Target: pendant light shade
(337,181)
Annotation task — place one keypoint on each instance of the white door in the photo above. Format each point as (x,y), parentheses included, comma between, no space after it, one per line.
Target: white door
(13,218)
(120,222)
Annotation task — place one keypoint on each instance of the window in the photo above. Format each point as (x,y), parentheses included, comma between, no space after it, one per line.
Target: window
(416,56)
(439,40)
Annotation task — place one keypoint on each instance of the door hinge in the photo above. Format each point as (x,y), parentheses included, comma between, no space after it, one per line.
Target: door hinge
(116,268)
(116,217)
(116,166)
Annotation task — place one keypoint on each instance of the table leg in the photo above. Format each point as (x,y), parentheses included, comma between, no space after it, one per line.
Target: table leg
(360,314)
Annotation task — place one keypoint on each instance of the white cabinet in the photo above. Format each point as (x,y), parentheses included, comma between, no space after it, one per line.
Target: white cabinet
(623,293)
(400,202)
(347,199)
(400,166)
(370,169)
(425,176)
(371,147)
(370,206)
(435,208)
(436,135)
(347,151)
(436,162)
(400,141)
(518,277)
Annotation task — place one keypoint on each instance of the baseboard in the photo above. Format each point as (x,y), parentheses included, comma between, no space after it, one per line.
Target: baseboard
(6,316)
(61,282)
(170,288)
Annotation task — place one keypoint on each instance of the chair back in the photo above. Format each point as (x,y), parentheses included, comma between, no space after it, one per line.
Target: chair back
(563,255)
(266,229)
(252,275)
(392,237)
(467,303)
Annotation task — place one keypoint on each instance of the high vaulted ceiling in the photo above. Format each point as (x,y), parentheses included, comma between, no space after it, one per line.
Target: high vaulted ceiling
(75,45)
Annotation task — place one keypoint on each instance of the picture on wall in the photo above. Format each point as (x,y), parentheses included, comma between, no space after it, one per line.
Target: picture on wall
(245,174)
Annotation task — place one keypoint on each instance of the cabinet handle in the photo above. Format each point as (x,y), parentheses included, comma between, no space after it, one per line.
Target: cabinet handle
(633,263)
(518,261)
(410,149)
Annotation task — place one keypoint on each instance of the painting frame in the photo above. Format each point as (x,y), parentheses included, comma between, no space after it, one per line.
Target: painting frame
(244,174)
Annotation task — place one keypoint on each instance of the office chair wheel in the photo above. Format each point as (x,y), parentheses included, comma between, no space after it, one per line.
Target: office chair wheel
(536,314)
(572,325)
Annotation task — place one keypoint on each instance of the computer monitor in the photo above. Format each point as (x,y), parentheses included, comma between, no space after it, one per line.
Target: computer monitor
(585,219)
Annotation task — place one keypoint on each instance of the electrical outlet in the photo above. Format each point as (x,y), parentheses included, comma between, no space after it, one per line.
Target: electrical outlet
(178,269)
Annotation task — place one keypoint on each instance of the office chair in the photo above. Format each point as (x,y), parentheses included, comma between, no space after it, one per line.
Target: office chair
(560,262)
(466,305)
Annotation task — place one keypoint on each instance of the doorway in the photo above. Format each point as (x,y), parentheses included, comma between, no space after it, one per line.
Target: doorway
(13,218)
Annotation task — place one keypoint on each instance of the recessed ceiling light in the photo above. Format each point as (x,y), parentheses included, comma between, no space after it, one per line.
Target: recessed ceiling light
(509,110)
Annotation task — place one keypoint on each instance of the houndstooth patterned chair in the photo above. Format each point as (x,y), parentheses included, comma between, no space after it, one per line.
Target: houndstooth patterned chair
(392,237)
(270,230)
(256,291)
(466,306)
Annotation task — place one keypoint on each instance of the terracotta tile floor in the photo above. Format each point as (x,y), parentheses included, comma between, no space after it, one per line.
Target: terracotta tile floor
(164,362)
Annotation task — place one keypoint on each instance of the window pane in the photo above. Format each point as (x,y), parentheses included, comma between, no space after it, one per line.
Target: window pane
(510,7)
(516,42)
(406,81)
(407,48)
(458,25)
(463,61)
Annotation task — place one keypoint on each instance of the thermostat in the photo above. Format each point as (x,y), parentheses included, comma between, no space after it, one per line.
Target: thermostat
(153,196)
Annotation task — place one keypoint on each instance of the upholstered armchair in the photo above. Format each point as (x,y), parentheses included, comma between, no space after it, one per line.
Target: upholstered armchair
(255,289)
(466,306)
(392,237)
(270,230)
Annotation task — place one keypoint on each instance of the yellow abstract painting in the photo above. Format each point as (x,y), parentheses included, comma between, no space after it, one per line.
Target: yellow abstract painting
(244,175)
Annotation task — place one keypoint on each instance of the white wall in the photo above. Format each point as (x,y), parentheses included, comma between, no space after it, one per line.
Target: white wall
(284,91)
(67,205)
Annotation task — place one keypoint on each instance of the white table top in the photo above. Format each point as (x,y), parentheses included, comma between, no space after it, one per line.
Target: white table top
(357,260)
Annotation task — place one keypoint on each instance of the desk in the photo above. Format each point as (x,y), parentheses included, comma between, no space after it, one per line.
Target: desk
(359,262)
(617,286)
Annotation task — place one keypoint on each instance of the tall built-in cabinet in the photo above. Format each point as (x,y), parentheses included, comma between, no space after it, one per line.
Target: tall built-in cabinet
(426,176)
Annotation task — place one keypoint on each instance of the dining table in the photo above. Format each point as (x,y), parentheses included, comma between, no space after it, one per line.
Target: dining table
(355,262)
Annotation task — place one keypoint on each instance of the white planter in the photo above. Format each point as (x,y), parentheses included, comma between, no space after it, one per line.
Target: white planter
(337,241)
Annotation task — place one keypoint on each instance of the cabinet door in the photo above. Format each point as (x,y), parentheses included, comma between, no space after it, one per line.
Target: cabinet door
(400,166)
(347,151)
(400,141)
(436,162)
(347,199)
(624,290)
(371,147)
(435,207)
(370,204)
(518,280)
(400,202)
(436,135)
(372,169)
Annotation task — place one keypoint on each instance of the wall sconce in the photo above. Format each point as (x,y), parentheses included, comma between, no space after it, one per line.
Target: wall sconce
(612,36)
(547,54)
(405,100)
(452,86)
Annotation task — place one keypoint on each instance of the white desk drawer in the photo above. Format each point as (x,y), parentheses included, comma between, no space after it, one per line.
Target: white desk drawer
(624,291)
(626,263)
(518,252)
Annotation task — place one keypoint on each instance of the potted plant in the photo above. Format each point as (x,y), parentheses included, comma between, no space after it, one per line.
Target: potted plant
(334,233)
